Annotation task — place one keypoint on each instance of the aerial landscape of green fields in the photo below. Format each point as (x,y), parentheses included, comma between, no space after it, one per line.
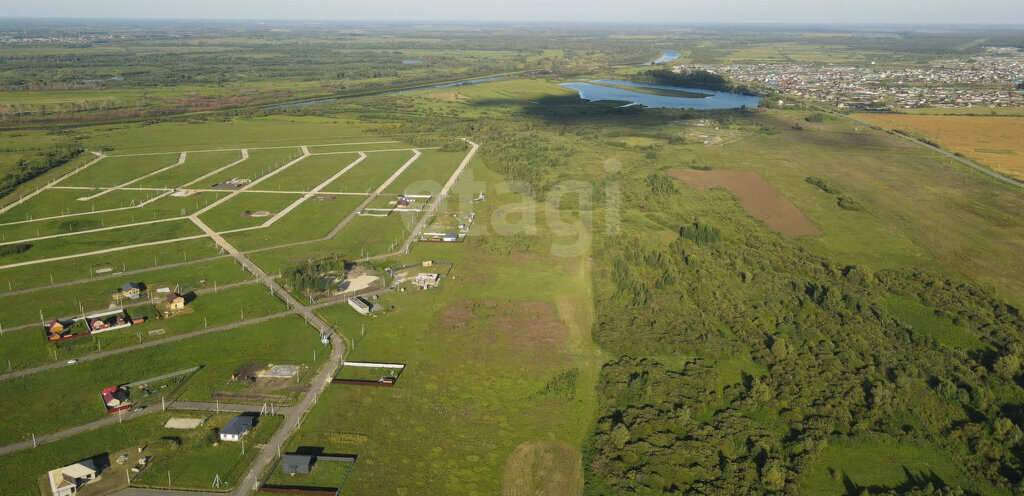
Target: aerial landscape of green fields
(555,257)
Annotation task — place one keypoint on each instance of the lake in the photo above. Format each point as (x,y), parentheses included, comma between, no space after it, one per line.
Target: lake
(715,99)
(666,56)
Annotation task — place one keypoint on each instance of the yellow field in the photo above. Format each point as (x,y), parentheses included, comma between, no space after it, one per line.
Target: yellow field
(997,142)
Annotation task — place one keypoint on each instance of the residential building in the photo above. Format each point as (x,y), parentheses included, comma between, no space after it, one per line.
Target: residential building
(237,427)
(68,480)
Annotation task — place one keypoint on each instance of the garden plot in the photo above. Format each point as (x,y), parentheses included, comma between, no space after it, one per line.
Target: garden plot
(428,174)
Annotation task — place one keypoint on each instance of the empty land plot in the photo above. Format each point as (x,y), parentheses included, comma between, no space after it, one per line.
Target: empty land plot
(58,201)
(112,171)
(756,195)
(997,142)
(356,147)
(208,310)
(259,163)
(84,267)
(196,165)
(95,295)
(370,173)
(428,174)
(282,340)
(313,219)
(260,207)
(308,173)
(163,208)
(89,242)
(544,467)
(364,236)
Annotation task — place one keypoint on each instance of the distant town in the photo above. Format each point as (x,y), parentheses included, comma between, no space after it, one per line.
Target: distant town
(990,80)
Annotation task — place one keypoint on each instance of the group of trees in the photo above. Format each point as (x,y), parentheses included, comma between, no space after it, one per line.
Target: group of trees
(827,360)
(308,277)
(691,79)
(34,165)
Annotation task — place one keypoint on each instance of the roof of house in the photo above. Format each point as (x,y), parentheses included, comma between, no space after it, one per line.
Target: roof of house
(173,296)
(294,463)
(128,286)
(238,425)
(81,470)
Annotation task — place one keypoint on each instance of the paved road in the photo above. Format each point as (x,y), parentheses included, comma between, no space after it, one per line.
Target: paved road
(953,156)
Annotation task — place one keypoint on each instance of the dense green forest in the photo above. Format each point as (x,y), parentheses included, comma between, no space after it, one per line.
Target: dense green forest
(821,357)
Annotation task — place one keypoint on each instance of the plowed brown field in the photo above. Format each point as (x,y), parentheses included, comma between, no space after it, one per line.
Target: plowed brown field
(756,195)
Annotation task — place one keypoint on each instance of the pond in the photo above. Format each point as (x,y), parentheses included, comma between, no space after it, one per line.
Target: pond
(666,56)
(688,98)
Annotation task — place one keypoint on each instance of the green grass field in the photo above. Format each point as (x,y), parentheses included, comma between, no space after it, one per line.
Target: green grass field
(309,172)
(58,201)
(370,173)
(230,214)
(849,466)
(163,208)
(485,344)
(922,319)
(428,174)
(90,242)
(79,268)
(283,340)
(114,170)
(196,165)
(259,163)
(312,219)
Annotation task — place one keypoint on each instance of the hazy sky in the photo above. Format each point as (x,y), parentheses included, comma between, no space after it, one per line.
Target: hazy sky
(651,11)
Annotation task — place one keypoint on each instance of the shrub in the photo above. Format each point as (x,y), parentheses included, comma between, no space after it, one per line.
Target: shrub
(847,203)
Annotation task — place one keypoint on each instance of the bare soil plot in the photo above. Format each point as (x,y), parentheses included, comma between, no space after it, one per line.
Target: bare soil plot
(756,195)
(997,142)
(544,467)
